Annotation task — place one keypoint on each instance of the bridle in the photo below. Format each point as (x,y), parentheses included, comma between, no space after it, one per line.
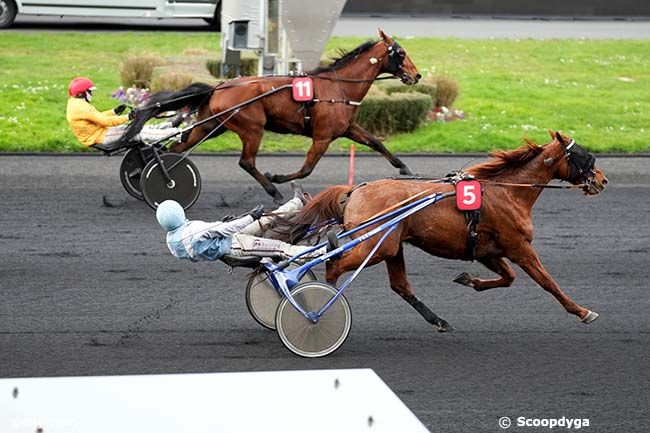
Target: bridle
(581,164)
(395,66)
(396,57)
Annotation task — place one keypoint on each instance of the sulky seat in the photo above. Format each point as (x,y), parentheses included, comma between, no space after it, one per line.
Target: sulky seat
(241,262)
(115,146)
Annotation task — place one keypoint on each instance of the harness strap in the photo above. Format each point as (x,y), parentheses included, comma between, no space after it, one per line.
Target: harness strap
(339,101)
(343,200)
(306,109)
(473,218)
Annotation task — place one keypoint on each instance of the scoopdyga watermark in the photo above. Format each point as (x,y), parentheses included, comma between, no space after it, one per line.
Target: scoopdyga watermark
(37,424)
(550,423)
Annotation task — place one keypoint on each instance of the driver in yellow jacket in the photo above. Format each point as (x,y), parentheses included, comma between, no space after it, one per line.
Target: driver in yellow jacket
(92,126)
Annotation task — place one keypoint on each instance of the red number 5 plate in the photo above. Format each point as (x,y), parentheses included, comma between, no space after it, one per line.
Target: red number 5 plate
(303,89)
(468,195)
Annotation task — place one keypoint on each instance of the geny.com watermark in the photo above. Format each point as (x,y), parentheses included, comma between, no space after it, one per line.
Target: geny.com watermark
(550,423)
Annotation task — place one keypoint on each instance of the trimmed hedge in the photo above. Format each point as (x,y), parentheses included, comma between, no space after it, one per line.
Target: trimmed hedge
(400,112)
(443,90)
(447,90)
(136,70)
(425,88)
(248,68)
(171,81)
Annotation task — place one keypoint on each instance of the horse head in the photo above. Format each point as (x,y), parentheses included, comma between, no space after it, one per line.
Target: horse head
(397,62)
(575,164)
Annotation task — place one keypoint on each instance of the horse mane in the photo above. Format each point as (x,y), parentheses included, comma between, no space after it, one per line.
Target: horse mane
(344,57)
(503,160)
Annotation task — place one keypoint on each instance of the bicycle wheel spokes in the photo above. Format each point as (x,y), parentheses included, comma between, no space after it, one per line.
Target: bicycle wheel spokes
(313,339)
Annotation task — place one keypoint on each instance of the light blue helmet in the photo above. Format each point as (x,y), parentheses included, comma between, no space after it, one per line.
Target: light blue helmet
(170,215)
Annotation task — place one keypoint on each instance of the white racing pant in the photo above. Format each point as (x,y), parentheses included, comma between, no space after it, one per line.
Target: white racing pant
(248,242)
(149,133)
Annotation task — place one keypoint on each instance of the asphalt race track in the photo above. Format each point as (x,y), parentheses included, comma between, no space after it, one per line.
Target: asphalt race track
(91,290)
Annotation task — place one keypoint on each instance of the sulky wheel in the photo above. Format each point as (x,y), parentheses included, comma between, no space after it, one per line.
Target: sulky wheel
(132,166)
(306,338)
(262,299)
(131,171)
(184,187)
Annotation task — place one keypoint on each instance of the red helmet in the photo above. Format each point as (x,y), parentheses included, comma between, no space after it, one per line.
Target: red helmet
(80,85)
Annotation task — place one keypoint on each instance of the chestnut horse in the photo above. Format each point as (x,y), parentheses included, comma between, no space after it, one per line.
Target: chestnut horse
(505,230)
(338,89)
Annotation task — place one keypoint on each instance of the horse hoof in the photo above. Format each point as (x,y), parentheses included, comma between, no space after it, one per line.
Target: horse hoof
(405,171)
(444,326)
(109,202)
(465,279)
(278,198)
(590,317)
(269,176)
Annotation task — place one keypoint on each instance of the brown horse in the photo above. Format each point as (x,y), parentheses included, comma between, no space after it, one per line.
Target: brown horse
(338,89)
(505,230)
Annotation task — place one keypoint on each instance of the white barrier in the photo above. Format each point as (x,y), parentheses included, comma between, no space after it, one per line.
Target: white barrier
(290,401)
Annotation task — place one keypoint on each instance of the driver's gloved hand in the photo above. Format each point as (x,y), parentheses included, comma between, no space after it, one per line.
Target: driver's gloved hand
(119,109)
(257,212)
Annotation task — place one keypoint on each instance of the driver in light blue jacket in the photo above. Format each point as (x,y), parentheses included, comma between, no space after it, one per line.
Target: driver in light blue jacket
(200,241)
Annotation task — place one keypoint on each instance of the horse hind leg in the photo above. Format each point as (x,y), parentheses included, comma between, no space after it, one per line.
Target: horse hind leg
(251,141)
(400,285)
(397,276)
(188,140)
(191,137)
(496,265)
(314,155)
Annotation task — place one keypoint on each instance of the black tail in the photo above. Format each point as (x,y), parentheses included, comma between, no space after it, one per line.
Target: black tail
(193,96)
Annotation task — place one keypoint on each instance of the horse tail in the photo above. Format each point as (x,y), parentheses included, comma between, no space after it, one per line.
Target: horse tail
(325,208)
(320,211)
(192,96)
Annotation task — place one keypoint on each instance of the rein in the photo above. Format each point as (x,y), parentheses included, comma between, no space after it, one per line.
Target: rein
(532,185)
(492,182)
(449,179)
(355,80)
(219,86)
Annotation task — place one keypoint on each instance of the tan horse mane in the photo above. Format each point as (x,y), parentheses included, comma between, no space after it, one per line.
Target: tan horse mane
(503,160)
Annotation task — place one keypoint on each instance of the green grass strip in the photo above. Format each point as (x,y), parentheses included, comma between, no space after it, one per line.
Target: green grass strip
(596,90)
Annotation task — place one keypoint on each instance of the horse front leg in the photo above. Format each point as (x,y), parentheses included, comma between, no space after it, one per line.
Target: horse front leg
(400,284)
(528,260)
(361,136)
(496,265)
(314,155)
